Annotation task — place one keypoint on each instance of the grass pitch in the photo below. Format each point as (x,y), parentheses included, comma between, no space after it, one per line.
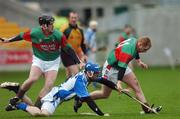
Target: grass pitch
(161,86)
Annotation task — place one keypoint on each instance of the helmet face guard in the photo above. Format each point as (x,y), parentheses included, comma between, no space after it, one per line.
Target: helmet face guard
(93,68)
(46,19)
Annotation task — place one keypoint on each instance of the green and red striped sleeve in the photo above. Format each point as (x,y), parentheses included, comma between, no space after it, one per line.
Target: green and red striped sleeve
(26,35)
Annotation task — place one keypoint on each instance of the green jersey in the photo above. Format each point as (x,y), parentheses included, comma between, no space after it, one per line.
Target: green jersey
(46,48)
(122,38)
(123,53)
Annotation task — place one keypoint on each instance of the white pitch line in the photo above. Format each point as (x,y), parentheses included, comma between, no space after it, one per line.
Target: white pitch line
(88,113)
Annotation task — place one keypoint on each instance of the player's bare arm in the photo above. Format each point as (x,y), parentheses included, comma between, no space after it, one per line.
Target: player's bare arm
(142,64)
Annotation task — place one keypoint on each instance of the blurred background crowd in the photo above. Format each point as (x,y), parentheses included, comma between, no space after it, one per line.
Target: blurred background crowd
(108,19)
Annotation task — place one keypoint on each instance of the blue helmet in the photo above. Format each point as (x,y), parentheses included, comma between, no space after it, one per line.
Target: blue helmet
(92,67)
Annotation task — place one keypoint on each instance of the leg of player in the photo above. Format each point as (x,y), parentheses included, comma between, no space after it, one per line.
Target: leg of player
(34,75)
(12,86)
(101,94)
(35,111)
(32,110)
(27,100)
(72,70)
(50,77)
(130,80)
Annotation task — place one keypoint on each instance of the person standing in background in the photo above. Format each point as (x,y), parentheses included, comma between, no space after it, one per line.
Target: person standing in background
(127,32)
(75,37)
(90,40)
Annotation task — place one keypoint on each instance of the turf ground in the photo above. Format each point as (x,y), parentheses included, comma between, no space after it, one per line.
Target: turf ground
(160,85)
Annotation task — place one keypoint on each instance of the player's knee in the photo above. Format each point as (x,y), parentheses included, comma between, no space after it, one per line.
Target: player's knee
(45,113)
(35,114)
(33,79)
(44,91)
(105,95)
(49,85)
(42,113)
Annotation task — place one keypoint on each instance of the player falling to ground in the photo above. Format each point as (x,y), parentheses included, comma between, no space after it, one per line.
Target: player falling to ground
(75,38)
(46,45)
(116,70)
(76,85)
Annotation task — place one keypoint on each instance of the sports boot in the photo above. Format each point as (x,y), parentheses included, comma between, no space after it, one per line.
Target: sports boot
(11,86)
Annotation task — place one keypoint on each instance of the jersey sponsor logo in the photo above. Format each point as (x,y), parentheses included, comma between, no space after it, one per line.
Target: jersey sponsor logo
(48,47)
(126,42)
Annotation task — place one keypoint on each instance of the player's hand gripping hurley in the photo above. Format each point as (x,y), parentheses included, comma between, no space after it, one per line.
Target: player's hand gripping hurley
(2,40)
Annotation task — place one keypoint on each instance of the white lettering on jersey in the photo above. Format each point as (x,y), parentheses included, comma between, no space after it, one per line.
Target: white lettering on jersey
(126,42)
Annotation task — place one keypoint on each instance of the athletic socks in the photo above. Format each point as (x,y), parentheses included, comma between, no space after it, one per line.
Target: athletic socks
(38,103)
(20,93)
(21,106)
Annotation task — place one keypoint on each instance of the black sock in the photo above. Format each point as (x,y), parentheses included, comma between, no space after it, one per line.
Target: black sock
(20,93)
(145,109)
(38,103)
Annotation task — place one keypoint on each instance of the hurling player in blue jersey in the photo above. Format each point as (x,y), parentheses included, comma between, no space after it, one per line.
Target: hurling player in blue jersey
(76,85)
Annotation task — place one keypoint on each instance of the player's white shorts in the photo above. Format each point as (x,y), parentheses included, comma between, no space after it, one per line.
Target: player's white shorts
(111,73)
(46,65)
(51,101)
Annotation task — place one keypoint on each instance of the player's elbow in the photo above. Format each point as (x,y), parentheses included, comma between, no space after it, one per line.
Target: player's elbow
(45,113)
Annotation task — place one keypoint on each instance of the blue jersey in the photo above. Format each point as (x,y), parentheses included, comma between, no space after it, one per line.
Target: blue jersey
(76,85)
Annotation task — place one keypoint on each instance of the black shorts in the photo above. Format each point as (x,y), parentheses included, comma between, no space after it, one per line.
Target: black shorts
(67,60)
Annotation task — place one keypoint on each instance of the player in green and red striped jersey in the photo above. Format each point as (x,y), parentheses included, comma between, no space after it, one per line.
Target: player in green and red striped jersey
(46,44)
(116,70)
(129,32)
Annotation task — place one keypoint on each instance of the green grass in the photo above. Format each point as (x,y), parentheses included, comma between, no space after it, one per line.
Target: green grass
(160,86)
